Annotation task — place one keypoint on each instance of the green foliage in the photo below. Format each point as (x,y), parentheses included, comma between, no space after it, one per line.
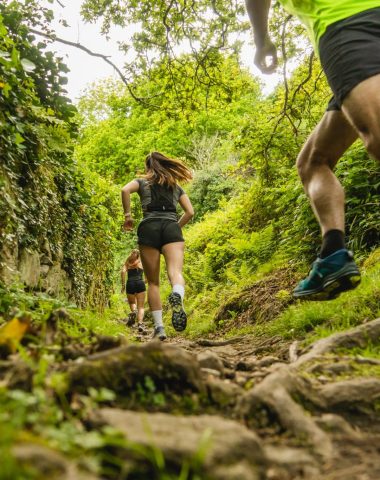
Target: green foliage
(83,324)
(147,394)
(48,202)
(92,236)
(271,223)
(209,187)
(41,417)
(360,177)
(35,131)
(119,132)
(164,30)
(325,318)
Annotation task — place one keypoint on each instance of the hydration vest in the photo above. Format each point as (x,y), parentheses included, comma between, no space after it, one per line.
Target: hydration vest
(161,199)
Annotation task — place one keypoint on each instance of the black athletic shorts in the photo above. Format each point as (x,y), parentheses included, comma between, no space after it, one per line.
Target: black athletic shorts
(135,286)
(350,53)
(157,232)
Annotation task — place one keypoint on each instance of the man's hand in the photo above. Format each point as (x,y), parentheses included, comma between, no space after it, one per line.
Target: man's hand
(268,49)
(128,224)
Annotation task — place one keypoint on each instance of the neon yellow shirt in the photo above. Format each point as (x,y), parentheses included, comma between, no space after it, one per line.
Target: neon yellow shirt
(317,15)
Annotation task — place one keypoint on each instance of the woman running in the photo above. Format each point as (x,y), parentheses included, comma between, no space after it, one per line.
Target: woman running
(160,232)
(135,287)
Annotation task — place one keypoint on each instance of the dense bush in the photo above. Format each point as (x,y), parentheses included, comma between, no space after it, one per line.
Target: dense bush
(250,206)
(118,131)
(45,197)
(270,224)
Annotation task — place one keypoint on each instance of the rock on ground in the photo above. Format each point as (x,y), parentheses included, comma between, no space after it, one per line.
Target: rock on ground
(48,464)
(230,450)
(122,369)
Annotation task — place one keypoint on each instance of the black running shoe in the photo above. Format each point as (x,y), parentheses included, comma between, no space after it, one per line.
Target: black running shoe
(179,317)
(141,327)
(159,332)
(132,318)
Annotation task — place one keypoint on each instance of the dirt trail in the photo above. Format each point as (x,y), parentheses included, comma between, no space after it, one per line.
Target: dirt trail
(242,408)
(316,412)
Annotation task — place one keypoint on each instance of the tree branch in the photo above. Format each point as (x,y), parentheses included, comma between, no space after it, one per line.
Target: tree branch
(54,38)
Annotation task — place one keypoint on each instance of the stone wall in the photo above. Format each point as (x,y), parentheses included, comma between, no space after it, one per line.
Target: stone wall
(38,270)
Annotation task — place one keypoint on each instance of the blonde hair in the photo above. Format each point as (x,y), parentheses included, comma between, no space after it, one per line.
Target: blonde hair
(165,171)
(133,257)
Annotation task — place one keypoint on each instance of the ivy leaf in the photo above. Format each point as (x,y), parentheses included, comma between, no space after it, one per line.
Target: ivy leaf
(19,138)
(27,65)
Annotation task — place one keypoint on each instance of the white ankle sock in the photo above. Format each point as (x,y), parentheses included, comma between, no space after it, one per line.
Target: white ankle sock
(177,288)
(157,318)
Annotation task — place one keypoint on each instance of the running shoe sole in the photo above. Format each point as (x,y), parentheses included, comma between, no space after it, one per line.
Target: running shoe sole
(179,317)
(141,327)
(347,278)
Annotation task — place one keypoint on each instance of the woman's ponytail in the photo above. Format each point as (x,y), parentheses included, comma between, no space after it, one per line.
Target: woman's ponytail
(166,171)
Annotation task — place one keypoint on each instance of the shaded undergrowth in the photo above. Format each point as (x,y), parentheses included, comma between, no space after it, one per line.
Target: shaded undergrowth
(249,311)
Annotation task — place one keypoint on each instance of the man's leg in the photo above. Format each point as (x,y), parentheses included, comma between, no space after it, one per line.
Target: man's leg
(362,108)
(336,272)
(315,163)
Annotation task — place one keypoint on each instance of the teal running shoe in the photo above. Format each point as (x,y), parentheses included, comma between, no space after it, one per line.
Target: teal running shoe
(329,277)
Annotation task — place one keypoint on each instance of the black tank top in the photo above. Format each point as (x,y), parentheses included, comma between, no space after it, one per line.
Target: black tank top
(135,274)
(159,201)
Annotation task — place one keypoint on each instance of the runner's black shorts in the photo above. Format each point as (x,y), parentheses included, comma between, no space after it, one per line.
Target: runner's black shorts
(157,232)
(135,286)
(349,51)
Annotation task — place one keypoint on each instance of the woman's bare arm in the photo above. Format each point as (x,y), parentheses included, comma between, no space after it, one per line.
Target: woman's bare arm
(123,274)
(126,191)
(188,211)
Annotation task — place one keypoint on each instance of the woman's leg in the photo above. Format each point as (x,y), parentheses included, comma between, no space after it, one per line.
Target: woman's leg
(140,297)
(132,301)
(174,253)
(150,259)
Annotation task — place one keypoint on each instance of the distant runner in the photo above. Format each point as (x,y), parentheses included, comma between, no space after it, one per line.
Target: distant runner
(135,286)
(346,35)
(160,232)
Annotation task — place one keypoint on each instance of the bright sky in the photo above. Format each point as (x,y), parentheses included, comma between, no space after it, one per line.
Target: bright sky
(85,69)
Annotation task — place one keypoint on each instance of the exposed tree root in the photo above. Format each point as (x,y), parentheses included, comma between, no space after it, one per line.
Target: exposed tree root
(122,369)
(274,394)
(353,394)
(304,425)
(281,396)
(16,374)
(204,342)
(360,336)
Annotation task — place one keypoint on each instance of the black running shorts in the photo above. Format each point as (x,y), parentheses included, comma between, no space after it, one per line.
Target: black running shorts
(135,286)
(157,232)
(350,53)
